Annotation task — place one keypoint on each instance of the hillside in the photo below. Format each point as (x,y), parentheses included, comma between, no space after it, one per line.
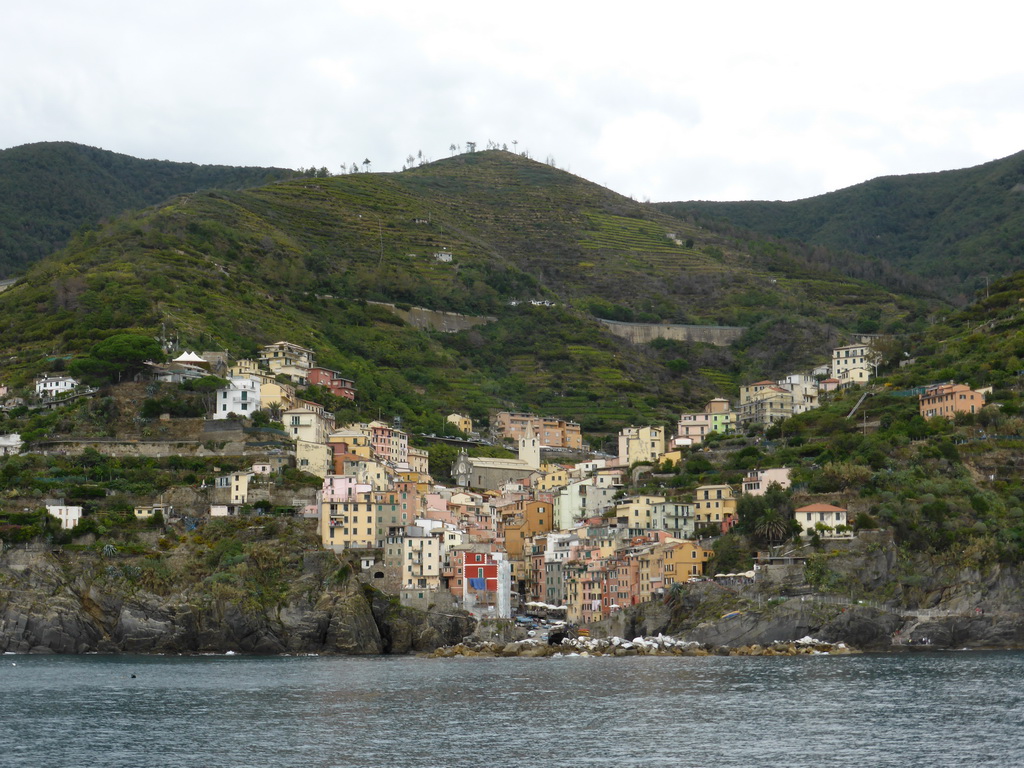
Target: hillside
(48,190)
(298,259)
(952,228)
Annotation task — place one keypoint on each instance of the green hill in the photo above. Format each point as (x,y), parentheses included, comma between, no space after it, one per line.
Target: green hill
(953,229)
(476,234)
(49,190)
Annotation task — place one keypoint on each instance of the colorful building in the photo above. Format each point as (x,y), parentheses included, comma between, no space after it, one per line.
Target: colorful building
(947,400)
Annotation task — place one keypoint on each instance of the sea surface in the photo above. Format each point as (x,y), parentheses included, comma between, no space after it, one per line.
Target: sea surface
(922,709)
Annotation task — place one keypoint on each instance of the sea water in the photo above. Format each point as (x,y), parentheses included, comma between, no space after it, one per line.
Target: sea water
(923,709)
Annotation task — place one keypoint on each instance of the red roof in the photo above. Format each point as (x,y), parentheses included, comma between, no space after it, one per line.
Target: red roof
(820,508)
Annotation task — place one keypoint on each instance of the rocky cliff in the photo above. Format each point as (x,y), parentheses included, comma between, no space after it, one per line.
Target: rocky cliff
(257,600)
(867,594)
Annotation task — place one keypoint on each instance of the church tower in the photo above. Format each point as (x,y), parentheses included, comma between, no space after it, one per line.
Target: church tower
(529,450)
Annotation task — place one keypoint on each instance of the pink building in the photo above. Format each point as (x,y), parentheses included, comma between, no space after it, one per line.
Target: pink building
(757,480)
(333,381)
(389,444)
(338,488)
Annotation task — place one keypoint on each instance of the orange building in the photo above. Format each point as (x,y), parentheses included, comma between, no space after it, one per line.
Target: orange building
(950,399)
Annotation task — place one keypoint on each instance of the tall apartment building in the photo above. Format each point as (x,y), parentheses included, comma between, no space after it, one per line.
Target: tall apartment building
(851,364)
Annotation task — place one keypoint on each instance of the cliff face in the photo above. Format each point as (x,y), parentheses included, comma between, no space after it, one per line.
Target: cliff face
(868,595)
(57,604)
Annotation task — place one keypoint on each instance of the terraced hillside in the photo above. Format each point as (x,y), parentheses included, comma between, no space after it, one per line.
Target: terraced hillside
(478,233)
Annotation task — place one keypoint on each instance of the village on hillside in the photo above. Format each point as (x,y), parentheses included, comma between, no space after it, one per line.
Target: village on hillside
(540,534)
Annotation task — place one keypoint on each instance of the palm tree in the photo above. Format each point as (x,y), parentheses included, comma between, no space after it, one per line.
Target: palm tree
(772,526)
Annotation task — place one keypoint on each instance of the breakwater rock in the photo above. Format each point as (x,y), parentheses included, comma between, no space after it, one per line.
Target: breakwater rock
(662,645)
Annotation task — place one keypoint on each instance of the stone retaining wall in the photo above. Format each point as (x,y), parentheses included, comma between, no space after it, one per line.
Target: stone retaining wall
(643,333)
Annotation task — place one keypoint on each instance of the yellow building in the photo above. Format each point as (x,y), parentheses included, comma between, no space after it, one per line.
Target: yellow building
(287,358)
(367,519)
(351,440)
(683,560)
(552,478)
(522,520)
(641,444)
(462,423)
(714,505)
(314,458)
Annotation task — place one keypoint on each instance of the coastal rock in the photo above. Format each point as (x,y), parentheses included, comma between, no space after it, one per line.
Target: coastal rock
(51,611)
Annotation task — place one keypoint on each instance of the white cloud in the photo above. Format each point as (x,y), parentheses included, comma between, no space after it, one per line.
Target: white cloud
(734,100)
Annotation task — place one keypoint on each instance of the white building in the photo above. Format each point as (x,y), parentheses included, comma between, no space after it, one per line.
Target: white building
(241,397)
(48,386)
(673,516)
(10,444)
(828,516)
(68,516)
(804,389)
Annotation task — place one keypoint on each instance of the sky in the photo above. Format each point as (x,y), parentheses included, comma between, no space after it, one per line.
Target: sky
(660,101)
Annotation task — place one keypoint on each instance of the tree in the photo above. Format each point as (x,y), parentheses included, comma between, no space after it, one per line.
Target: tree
(118,357)
(767,519)
(366,165)
(883,350)
(728,555)
(207,387)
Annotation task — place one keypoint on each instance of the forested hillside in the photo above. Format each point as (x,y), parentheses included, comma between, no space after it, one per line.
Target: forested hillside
(952,229)
(49,190)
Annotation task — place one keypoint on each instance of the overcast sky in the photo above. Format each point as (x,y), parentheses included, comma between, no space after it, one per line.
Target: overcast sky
(662,101)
